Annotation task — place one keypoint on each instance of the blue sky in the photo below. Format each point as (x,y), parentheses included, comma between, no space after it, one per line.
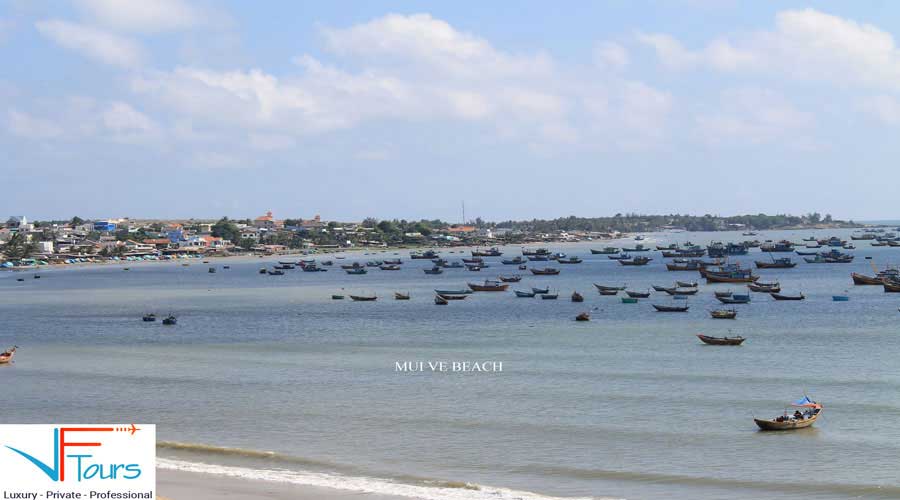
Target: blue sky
(178,108)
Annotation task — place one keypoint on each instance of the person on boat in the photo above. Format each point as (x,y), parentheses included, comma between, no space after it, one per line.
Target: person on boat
(798,415)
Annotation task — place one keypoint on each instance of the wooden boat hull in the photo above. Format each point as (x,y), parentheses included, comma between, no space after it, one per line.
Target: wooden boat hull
(360,298)
(583,317)
(723,314)
(731,300)
(891,286)
(778,296)
(602,287)
(451,297)
(862,279)
(787,425)
(671,308)
(713,278)
(545,272)
(720,340)
(488,288)
(638,295)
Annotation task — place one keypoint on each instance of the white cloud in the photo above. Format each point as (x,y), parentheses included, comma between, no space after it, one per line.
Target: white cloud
(750,115)
(126,124)
(805,45)
(610,55)
(91,42)
(411,68)
(271,142)
(885,108)
(31,127)
(148,16)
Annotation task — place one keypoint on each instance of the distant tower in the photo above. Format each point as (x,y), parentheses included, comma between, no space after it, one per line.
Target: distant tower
(464,212)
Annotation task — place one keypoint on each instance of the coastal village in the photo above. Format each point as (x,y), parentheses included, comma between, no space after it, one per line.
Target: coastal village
(27,243)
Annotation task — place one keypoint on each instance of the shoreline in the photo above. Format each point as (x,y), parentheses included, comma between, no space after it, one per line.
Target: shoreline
(182,485)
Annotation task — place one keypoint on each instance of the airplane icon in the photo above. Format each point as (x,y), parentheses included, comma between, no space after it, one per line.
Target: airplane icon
(133,429)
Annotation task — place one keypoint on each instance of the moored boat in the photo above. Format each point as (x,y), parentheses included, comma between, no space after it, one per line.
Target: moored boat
(401,296)
(720,340)
(605,287)
(440,301)
(798,420)
(433,270)
(149,317)
(547,271)
(364,298)
(735,299)
(637,295)
(6,356)
(524,294)
(605,251)
(637,261)
(778,296)
(662,308)
(549,296)
(170,320)
(723,313)
(583,317)
(489,286)
(577,297)
(510,279)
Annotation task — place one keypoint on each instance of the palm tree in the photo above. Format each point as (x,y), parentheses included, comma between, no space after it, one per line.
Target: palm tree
(18,247)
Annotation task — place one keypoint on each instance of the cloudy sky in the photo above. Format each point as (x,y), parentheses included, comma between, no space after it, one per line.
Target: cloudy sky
(179,108)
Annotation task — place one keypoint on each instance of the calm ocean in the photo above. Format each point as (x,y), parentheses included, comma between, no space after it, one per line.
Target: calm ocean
(267,377)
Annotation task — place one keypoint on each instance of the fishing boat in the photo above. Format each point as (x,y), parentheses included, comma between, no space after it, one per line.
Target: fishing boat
(629,300)
(524,294)
(735,299)
(170,320)
(513,262)
(782,263)
(285,266)
(739,276)
(489,286)
(891,285)
(312,268)
(723,313)
(687,284)
(778,296)
(608,292)
(475,260)
(605,251)
(679,291)
(725,293)
(492,252)
(211,270)
(687,266)
(149,317)
(805,253)
(473,267)
(862,279)
(840,298)
(637,295)
(433,270)
(388,261)
(637,261)
(539,258)
(764,288)
(605,287)
(621,256)
(337,297)
(523,267)
(662,308)
(6,356)
(374,263)
(540,290)
(781,246)
(355,265)
(363,298)
(429,254)
(577,297)
(583,317)
(549,296)
(452,265)
(401,296)
(660,288)
(540,251)
(798,420)
(276,272)
(510,279)
(389,267)
(637,248)
(570,260)
(359,270)
(452,297)
(440,301)
(547,271)
(262,270)
(720,340)
(453,292)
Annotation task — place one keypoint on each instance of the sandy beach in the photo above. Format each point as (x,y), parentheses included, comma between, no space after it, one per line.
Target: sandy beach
(180,485)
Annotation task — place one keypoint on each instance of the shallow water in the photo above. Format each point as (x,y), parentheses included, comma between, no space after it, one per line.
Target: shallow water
(629,404)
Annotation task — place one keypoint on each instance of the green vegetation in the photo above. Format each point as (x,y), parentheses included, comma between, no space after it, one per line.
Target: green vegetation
(640,223)
(18,247)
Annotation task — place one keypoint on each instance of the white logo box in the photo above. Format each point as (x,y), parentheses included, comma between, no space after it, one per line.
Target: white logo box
(97,461)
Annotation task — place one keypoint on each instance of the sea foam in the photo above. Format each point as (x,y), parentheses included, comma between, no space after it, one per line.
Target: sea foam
(438,491)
